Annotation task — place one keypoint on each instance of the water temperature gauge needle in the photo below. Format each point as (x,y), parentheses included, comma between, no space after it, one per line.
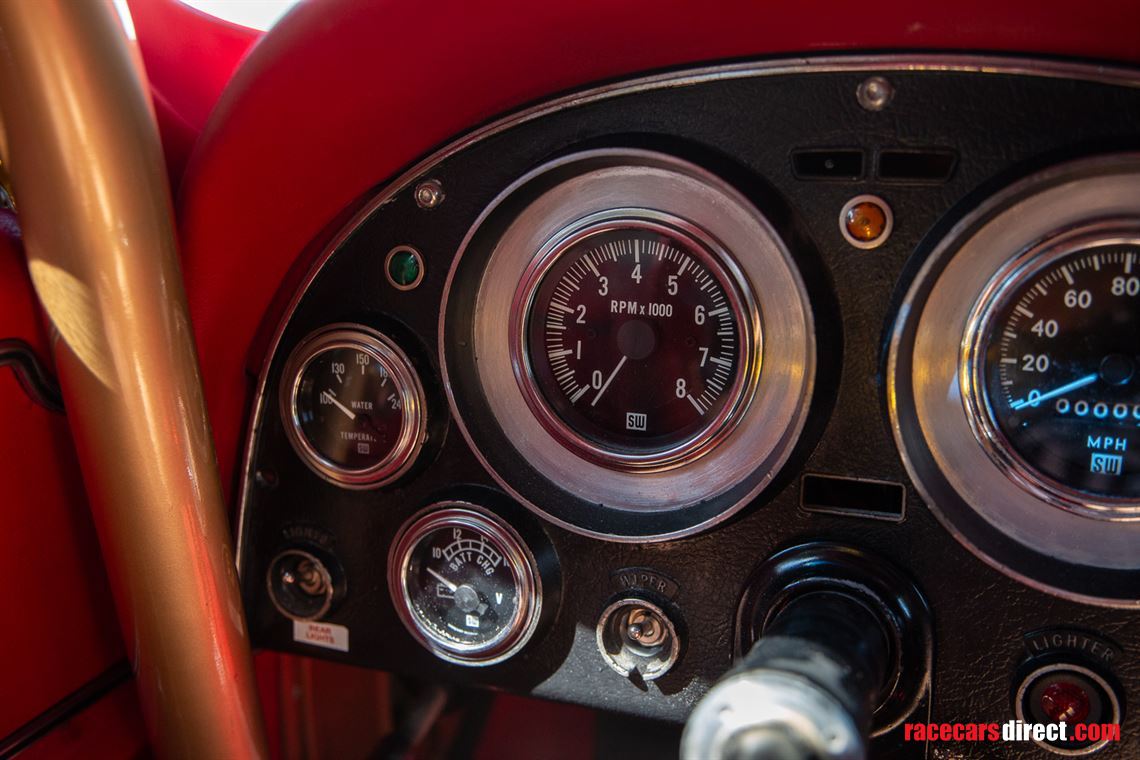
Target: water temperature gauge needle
(332,398)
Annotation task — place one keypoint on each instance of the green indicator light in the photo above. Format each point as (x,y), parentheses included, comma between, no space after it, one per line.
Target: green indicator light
(405,267)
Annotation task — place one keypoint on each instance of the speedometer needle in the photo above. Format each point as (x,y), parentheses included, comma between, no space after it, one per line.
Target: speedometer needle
(332,397)
(450,586)
(1078,383)
(609,380)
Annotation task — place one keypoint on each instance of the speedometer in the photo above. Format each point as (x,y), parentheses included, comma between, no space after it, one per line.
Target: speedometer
(1053,369)
(635,343)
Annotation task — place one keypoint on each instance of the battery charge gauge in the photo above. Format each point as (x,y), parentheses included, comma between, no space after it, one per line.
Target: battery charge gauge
(465,584)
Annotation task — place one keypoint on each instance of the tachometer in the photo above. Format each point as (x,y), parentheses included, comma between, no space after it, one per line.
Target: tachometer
(636,344)
(628,345)
(1053,368)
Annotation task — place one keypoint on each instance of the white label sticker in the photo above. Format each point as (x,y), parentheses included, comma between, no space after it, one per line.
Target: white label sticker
(325,635)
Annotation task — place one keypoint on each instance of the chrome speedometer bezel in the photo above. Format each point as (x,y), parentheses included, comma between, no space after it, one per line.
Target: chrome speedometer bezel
(1058,551)
(712,255)
(980,412)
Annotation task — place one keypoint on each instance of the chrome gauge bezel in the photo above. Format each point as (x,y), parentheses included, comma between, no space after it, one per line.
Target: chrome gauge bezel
(979,409)
(511,440)
(413,429)
(717,260)
(522,625)
(1059,551)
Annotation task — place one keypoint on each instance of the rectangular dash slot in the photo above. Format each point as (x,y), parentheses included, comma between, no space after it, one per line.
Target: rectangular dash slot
(854,497)
(828,164)
(918,166)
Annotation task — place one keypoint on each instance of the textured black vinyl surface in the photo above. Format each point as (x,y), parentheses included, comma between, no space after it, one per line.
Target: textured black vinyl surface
(999,127)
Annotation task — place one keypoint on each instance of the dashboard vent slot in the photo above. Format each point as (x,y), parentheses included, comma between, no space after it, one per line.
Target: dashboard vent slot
(916,166)
(844,165)
(875,499)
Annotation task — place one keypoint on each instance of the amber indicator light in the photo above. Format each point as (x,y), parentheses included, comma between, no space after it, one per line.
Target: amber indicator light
(866,221)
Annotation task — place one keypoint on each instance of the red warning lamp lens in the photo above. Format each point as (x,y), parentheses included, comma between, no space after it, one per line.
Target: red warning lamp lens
(1063,701)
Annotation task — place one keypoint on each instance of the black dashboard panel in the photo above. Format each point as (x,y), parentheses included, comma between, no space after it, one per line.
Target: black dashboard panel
(793,140)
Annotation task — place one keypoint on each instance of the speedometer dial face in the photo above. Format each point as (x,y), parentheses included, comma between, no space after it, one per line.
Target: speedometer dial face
(638,343)
(1061,372)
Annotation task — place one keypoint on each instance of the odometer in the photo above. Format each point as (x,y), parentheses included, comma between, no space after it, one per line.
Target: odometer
(1055,371)
(637,344)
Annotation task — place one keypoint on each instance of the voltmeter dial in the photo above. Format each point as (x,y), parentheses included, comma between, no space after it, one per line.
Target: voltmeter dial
(353,406)
(1054,369)
(465,584)
(637,341)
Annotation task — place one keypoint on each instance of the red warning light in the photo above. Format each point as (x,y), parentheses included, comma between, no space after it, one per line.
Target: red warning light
(1065,701)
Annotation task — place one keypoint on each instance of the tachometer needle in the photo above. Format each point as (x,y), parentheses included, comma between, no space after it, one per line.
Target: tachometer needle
(1078,383)
(450,586)
(609,380)
(332,397)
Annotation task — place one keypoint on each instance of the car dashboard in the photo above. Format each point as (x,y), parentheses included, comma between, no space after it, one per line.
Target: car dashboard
(585,404)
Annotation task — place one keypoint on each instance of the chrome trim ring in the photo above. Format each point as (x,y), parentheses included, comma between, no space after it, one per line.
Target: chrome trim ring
(517,631)
(1033,677)
(928,412)
(743,305)
(979,410)
(413,427)
(598,182)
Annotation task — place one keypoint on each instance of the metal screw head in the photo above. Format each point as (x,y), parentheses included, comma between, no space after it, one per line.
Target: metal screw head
(429,193)
(874,93)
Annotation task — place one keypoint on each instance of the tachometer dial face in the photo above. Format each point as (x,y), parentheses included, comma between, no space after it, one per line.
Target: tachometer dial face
(638,343)
(1060,372)
(465,585)
(354,406)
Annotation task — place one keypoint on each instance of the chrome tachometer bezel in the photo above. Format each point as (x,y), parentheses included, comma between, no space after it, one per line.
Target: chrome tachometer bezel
(491,408)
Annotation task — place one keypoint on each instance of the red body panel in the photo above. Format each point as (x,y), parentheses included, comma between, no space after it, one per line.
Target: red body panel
(343,94)
(62,631)
(189,58)
(108,730)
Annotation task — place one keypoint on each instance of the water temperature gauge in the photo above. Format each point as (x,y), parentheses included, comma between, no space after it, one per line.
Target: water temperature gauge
(465,584)
(353,406)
